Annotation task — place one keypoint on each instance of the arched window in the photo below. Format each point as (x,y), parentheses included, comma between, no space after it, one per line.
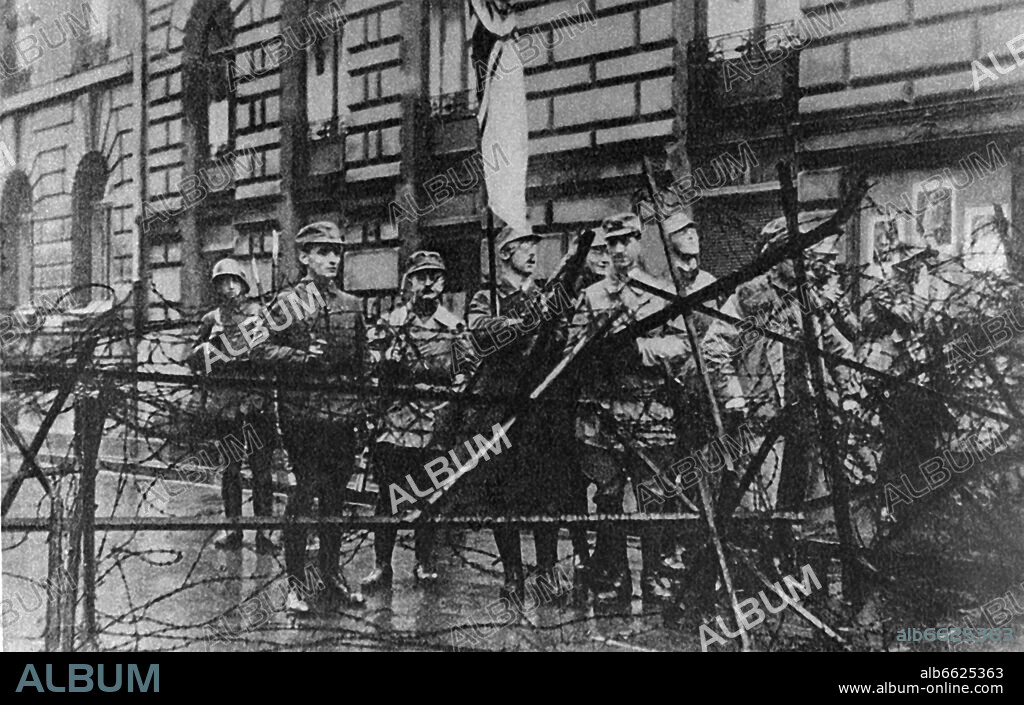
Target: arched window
(90,226)
(15,237)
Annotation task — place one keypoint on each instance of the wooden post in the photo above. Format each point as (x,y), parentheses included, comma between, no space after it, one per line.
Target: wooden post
(707,505)
(94,418)
(492,263)
(835,472)
(834,469)
(54,568)
(69,591)
(85,354)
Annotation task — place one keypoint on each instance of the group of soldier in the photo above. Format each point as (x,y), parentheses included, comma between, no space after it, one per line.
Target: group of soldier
(621,415)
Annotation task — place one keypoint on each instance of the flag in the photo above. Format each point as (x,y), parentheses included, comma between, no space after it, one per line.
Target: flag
(502,113)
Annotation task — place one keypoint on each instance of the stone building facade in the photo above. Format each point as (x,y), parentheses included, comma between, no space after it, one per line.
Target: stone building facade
(258,116)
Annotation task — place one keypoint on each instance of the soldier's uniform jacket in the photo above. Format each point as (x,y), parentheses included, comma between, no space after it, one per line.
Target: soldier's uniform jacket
(638,399)
(222,328)
(503,342)
(413,351)
(773,375)
(339,327)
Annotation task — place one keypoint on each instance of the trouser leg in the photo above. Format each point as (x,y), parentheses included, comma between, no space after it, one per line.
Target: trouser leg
(577,504)
(651,549)
(386,472)
(544,496)
(334,469)
(262,481)
(510,550)
(508,502)
(300,504)
(231,488)
(610,551)
(414,464)
(545,541)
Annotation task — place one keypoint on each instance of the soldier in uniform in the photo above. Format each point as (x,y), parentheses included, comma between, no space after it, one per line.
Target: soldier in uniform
(902,332)
(318,333)
(693,420)
(219,337)
(414,346)
(626,413)
(596,268)
(509,340)
(776,378)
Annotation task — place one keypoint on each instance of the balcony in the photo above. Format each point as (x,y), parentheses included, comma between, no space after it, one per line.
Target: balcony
(452,122)
(327,146)
(746,79)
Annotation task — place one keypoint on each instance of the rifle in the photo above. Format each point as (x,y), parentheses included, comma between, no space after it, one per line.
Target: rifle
(281,458)
(564,279)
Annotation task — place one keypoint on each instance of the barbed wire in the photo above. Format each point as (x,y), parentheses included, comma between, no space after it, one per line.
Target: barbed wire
(152,414)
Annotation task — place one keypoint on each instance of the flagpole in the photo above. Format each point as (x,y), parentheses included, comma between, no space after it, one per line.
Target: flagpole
(492,264)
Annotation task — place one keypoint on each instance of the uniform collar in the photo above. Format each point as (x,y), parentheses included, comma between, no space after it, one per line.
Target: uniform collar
(507,288)
(234,305)
(442,317)
(331,288)
(614,286)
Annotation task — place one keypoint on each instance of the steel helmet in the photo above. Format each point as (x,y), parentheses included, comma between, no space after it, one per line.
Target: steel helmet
(229,267)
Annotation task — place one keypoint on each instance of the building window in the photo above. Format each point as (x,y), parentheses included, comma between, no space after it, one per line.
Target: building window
(92,49)
(51,259)
(452,85)
(961,211)
(15,234)
(735,27)
(16,42)
(90,226)
(218,62)
(327,80)
(24,22)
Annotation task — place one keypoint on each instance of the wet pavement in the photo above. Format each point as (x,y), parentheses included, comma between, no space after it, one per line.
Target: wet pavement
(174,591)
(164,590)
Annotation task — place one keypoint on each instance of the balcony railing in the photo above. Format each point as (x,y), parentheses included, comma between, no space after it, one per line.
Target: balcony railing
(326,129)
(754,44)
(327,146)
(454,105)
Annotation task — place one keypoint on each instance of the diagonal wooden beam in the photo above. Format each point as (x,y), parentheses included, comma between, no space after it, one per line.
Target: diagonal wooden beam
(67,384)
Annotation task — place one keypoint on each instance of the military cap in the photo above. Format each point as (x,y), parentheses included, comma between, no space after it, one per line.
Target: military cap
(622,224)
(422,261)
(777,230)
(599,239)
(229,267)
(320,233)
(678,221)
(508,235)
